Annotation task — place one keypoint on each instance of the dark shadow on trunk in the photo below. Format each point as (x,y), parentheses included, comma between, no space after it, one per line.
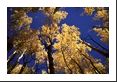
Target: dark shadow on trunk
(50,58)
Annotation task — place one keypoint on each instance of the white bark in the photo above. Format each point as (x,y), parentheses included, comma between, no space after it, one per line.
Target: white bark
(11,56)
(21,55)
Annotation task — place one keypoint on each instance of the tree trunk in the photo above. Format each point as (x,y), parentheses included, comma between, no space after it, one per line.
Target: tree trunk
(81,70)
(24,65)
(10,58)
(97,43)
(50,58)
(106,54)
(66,62)
(22,69)
(96,70)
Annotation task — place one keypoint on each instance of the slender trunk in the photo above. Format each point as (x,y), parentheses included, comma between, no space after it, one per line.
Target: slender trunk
(96,70)
(10,58)
(97,43)
(66,62)
(98,50)
(81,70)
(25,61)
(21,56)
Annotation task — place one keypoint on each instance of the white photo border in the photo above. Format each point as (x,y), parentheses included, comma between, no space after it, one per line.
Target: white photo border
(58,77)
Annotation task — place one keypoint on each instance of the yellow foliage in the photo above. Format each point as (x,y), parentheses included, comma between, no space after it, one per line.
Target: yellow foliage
(49,10)
(59,15)
(69,46)
(103,33)
(89,10)
(20,19)
(102,14)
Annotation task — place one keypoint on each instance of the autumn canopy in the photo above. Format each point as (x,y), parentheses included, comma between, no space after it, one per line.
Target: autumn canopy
(58,48)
